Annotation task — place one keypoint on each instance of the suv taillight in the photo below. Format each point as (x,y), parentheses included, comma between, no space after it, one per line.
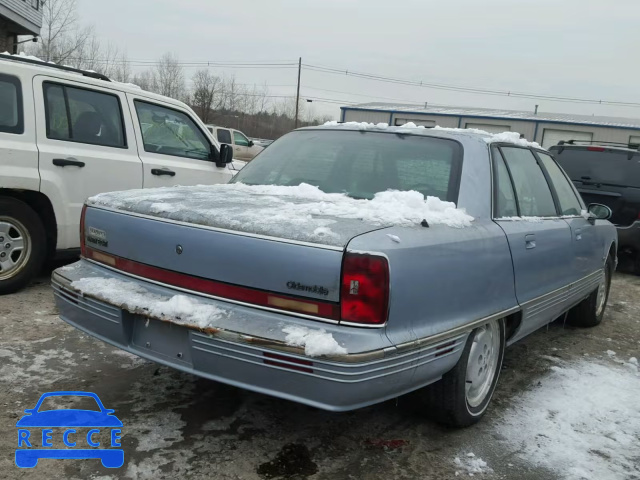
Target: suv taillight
(364,296)
(83,249)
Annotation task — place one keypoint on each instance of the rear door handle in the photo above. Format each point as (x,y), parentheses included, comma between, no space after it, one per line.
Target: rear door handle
(578,234)
(67,162)
(530,241)
(163,171)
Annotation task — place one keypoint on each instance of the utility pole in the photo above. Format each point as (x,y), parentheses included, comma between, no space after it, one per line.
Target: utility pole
(298,93)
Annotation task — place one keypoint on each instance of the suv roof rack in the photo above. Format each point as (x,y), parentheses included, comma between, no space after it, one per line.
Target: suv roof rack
(17,58)
(631,146)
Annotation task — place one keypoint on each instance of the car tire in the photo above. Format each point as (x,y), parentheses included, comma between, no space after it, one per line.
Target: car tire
(23,245)
(590,311)
(453,400)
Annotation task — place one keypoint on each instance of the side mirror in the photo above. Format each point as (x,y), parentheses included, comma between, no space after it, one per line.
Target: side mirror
(226,155)
(251,144)
(599,211)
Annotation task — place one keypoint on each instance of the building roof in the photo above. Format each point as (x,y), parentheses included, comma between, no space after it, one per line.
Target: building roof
(499,114)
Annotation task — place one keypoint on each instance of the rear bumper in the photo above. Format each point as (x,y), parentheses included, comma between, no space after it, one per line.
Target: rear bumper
(629,237)
(248,349)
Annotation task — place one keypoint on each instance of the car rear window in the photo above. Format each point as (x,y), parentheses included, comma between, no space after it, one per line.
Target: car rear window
(611,167)
(360,164)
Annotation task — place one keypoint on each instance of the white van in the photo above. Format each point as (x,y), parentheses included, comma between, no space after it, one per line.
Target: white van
(67,134)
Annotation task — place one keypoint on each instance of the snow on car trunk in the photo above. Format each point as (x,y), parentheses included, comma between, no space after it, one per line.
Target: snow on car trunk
(583,421)
(270,246)
(302,213)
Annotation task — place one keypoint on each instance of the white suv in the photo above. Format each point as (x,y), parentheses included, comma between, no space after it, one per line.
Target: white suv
(67,134)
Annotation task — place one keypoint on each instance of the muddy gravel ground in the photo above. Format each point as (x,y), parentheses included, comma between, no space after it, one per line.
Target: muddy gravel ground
(179,426)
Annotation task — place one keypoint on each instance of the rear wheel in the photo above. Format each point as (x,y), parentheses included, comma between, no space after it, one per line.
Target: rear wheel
(22,244)
(590,311)
(463,394)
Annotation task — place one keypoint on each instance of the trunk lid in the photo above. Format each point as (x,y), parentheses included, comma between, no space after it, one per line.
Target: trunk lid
(232,258)
(245,210)
(226,235)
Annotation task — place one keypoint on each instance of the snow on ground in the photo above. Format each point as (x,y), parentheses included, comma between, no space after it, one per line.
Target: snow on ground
(178,309)
(302,212)
(583,421)
(471,465)
(315,342)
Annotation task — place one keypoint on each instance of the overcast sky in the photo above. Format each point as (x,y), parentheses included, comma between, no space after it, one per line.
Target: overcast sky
(577,48)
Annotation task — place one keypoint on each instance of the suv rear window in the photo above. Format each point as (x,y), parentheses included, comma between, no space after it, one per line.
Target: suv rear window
(359,164)
(611,167)
(10,105)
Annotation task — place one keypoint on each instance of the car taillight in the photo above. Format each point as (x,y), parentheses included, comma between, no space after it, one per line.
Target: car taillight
(595,149)
(364,296)
(83,249)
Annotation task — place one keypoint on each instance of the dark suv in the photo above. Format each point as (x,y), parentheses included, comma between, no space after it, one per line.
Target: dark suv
(608,173)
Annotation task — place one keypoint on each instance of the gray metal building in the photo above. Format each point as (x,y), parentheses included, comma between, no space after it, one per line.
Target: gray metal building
(545,128)
(18,17)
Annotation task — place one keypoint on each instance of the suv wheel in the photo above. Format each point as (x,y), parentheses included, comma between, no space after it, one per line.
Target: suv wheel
(22,244)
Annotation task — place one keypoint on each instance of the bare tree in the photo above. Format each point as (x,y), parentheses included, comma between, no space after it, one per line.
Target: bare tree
(145,80)
(122,69)
(206,87)
(170,77)
(60,37)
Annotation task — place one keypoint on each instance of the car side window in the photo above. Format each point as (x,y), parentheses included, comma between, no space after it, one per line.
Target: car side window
(240,139)
(569,203)
(531,187)
(11,119)
(505,197)
(84,116)
(171,132)
(224,136)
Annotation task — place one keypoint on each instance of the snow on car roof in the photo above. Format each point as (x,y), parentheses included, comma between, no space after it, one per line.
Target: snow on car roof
(412,128)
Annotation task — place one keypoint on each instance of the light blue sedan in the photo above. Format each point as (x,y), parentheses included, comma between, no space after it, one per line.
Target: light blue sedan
(346,265)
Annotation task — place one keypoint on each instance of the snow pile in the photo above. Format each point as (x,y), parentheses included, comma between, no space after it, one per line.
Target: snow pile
(128,84)
(315,342)
(24,55)
(358,125)
(512,137)
(394,238)
(130,296)
(471,465)
(302,212)
(582,422)
(505,137)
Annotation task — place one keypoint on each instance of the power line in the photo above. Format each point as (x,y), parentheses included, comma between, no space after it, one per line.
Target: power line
(457,88)
(365,76)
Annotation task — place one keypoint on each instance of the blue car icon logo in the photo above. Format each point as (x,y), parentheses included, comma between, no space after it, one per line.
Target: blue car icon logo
(42,429)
